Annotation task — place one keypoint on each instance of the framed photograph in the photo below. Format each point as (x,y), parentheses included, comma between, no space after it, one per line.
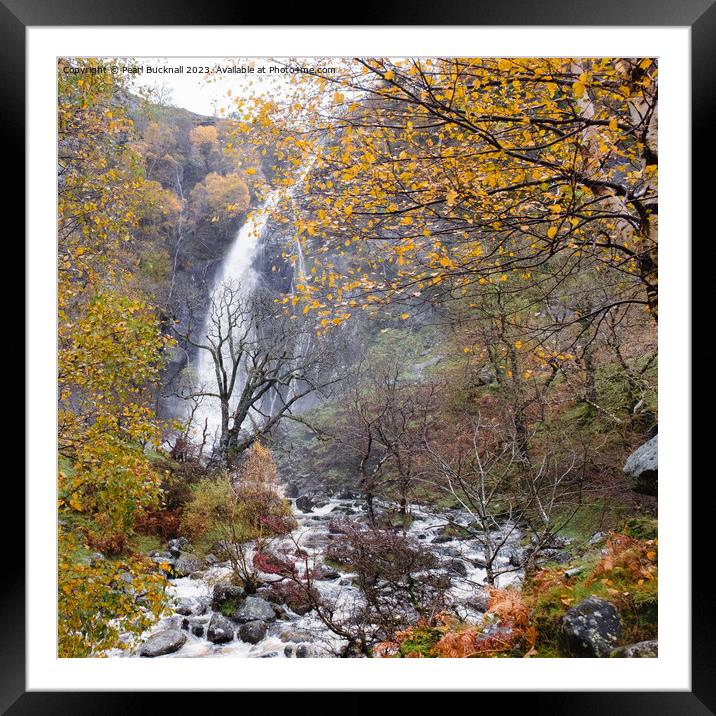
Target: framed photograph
(346,360)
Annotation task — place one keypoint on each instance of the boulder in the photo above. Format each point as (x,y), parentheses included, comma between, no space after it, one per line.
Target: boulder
(194,625)
(186,607)
(281,613)
(591,628)
(552,556)
(175,545)
(291,489)
(220,629)
(457,567)
(304,503)
(642,466)
(324,573)
(185,564)
(640,650)
(299,651)
(165,566)
(254,609)
(486,376)
(252,632)
(596,538)
(164,642)
(301,609)
(161,554)
(295,635)
(203,604)
(479,601)
(553,542)
(226,597)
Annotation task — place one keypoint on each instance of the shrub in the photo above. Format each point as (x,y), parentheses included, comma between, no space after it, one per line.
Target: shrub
(626,575)
(505,629)
(236,511)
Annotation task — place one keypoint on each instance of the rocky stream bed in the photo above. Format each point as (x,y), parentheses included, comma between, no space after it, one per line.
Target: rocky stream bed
(258,628)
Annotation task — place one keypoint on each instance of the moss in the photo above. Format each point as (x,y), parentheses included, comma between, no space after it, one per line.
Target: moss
(421,640)
(332,563)
(457,531)
(641,528)
(229,606)
(395,520)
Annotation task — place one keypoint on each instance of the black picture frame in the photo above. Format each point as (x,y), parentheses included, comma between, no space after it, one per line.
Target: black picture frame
(699,15)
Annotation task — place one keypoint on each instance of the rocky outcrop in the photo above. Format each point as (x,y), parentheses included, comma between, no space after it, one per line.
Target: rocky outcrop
(591,628)
(291,489)
(164,642)
(640,650)
(642,467)
(185,564)
(480,600)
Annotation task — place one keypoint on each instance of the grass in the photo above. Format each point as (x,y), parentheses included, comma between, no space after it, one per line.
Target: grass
(144,543)
(601,515)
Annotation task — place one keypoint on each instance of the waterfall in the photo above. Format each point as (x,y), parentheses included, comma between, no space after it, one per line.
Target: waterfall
(237,271)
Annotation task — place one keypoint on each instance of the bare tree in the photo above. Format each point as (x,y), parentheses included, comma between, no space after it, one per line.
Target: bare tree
(382,420)
(502,493)
(263,363)
(396,584)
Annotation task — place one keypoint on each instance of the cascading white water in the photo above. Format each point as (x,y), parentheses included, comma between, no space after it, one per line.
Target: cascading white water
(237,271)
(314,534)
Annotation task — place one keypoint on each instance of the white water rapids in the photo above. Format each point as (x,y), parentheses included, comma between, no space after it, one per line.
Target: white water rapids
(314,535)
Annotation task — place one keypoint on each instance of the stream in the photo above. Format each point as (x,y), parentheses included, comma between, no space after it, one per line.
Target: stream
(305,635)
